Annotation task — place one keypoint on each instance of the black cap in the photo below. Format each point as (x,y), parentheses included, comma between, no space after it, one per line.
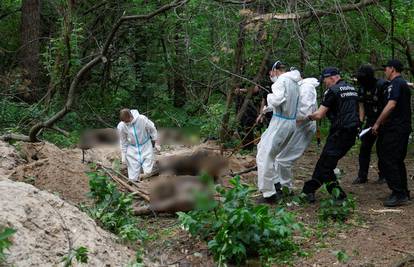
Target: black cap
(275,65)
(328,72)
(395,63)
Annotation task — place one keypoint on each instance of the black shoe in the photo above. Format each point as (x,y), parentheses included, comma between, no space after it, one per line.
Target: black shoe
(269,200)
(283,191)
(360,180)
(395,200)
(310,197)
(380,180)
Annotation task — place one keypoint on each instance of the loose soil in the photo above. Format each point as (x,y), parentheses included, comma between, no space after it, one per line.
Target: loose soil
(372,237)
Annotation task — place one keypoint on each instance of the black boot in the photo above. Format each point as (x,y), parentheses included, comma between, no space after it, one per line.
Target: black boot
(269,200)
(309,197)
(283,191)
(360,180)
(380,180)
(396,199)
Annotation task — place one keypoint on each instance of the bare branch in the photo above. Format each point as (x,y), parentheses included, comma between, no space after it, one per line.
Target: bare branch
(314,13)
(34,131)
(234,2)
(17,137)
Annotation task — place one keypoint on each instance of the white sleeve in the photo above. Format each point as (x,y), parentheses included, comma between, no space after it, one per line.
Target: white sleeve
(123,138)
(150,128)
(277,97)
(307,102)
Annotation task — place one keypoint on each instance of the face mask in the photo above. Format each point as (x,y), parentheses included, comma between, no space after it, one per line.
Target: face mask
(273,79)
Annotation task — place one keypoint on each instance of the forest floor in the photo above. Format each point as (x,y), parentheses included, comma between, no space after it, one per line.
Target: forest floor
(372,237)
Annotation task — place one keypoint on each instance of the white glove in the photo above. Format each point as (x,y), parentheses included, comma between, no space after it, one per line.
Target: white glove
(123,158)
(267,109)
(157,147)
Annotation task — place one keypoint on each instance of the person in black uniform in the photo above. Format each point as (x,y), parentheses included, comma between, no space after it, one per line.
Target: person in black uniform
(393,127)
(340,105)
(371,93)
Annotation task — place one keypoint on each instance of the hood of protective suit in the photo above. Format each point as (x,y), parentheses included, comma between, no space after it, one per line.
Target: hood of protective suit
(294,75)
(135,114)
(311,81)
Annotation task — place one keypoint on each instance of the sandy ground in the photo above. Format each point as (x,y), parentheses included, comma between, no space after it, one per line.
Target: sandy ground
(49,228)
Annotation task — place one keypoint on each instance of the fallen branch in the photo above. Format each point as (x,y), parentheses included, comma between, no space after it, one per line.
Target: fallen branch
(244,171)
(387,211)
(405,252)
(57,129)
(17,137)
(309,14)
(134,190)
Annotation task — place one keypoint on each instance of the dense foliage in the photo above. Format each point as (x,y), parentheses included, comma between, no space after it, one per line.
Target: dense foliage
(179,67)
(236,228)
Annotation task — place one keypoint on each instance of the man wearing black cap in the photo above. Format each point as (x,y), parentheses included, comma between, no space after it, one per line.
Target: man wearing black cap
(340,105)
(371,93)
(393,127)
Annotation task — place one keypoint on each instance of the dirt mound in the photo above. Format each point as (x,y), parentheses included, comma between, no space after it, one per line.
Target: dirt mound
(9,158)
(46,226)
(57,171)
(61,171)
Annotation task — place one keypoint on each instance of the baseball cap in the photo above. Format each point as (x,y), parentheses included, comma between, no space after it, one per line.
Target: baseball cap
(395,63)
(328,72)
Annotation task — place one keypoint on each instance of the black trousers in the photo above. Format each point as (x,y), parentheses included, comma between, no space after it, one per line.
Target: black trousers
(367,142)
(338,143)
(392,149)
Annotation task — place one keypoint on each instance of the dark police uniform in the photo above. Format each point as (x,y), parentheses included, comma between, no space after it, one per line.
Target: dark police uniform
(373,101)
(342,101)
(393,137)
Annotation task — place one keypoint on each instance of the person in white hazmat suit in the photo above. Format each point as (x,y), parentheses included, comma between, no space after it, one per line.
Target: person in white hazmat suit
(283,101)
(305,130)
(136,134)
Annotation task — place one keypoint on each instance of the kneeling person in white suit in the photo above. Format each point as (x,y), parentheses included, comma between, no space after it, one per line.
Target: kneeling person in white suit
(305,130)
(136,133)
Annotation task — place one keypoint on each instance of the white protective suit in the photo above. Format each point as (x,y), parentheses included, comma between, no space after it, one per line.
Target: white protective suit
(136,146)
(283,101)
(305,130)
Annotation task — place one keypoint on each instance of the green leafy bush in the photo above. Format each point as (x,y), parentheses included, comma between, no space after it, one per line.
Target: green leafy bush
(236,229)
(341,256)
(337,210)
(80,254)
(5,242)
(113,209)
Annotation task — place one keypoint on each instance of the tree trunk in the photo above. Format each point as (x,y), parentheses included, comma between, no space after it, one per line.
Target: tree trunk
(178,84)
(30,33)
(224,130)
